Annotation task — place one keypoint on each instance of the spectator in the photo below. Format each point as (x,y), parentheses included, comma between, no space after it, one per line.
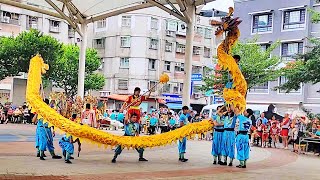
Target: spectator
(17,113)
(9,114)
(262,119)
(285,130)
(172,122)
(113,115)
(153,123)
(26,114)
(196,118)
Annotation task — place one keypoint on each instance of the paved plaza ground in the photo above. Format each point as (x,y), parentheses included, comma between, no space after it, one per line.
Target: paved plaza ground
(18,161)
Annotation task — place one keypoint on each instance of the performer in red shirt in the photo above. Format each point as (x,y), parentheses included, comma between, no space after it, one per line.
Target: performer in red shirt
(133,102)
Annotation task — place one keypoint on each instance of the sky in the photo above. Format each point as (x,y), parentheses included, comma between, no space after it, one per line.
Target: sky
(221,5)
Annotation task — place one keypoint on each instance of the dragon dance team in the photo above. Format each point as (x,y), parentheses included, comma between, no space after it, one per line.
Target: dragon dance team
(230,133)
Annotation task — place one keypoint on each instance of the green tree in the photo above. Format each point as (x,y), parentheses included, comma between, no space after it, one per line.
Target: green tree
(306,69)
(15,53)
(66,68)
(256,64)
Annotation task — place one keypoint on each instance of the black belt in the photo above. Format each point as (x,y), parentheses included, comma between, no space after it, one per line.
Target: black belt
(229,129)
(285,128)
(219,130)
(243,132)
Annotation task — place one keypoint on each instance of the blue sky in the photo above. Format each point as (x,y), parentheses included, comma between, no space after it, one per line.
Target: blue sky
(221,5)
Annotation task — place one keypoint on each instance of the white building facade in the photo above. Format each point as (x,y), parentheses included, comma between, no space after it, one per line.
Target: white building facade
(137,47)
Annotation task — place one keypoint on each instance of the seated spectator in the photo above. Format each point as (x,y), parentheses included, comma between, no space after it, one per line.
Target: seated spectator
(172,122)
(26,114)
(153,124)
(16,115)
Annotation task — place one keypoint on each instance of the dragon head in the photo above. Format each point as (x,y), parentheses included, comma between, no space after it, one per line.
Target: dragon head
(228,23)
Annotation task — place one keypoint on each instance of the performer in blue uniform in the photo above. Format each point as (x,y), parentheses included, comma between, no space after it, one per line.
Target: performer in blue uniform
(44,138)
(229,136)
(131,128)
(229,84)
(242,139)
(66,144)
(182,145)
(217,134)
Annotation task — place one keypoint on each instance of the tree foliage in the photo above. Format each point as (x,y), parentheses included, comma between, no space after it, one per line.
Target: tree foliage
(66,68)
(257,66)
(15,53)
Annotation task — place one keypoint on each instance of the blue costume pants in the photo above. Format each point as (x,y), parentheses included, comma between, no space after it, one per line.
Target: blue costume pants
(119,150)
(44,139)
(228,142)
(217,143)
(243,148)
(182,145)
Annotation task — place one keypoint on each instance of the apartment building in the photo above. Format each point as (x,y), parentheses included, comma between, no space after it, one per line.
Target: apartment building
(287,21)
(137,47)
(15,20)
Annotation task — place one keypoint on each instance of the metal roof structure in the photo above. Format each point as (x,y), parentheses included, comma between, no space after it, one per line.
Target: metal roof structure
(79,13)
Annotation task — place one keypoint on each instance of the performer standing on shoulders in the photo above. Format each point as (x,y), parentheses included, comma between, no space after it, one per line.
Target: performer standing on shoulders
(183,143)
(131,128)
(242,139)
(134,102)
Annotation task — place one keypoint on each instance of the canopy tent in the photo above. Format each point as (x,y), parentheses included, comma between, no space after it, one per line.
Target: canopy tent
(79,13)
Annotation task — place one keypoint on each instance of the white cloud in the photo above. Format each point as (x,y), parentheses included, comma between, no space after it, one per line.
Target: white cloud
(221,5)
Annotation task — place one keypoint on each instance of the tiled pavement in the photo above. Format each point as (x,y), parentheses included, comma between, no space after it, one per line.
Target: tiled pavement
(17,161)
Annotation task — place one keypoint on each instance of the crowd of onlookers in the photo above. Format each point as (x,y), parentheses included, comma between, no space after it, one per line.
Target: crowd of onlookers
(268,132)
(15,114)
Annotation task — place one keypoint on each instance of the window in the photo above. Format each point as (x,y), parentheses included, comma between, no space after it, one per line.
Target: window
(71,32)
(154,43)
(125,41)
(172,26)
(10,18)
(283,80)
(262,23)
(168,47)
(99,43)
(102,64)
(166,88)
(124,62)
(208,33)
(123,84)
(152,64)
(126,21)
(262,88)
(180,48)
(32,22)
(294,19)
(181,87)
(264,47)
(199,31)
(196,70)
(167,65)
(152,86)
(179,67)
(101,24)
(290,50)
(206,52)
(54,26)
(154,23)
(196,50)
